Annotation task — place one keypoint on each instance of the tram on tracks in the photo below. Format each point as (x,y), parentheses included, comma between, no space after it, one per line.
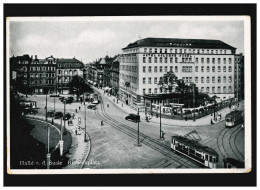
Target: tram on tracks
(204,155)
(234,118)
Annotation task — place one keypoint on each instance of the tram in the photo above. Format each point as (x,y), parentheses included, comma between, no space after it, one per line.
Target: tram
(204,155)
(234,118)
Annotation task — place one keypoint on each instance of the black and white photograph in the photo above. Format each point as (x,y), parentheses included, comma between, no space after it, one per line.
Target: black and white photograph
(128,94)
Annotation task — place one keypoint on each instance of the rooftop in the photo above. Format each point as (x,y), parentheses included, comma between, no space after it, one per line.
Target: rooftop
(177,42)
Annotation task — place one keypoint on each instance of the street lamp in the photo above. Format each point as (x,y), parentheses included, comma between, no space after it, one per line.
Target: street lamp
(85,136)
(48,156)
(161,132)
(61,130)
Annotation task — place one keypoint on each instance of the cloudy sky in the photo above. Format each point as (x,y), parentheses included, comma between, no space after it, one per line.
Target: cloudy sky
(92,39)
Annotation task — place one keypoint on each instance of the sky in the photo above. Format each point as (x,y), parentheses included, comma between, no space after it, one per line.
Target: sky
(93,39)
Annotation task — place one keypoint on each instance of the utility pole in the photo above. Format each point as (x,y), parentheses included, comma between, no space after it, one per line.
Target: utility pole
(161,137)
(48,156)
(46,107)
(193,102)
(61,130)
(138,142)
(85,137)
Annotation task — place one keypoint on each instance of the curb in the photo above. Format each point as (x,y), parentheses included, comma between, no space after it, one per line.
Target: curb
(88,147)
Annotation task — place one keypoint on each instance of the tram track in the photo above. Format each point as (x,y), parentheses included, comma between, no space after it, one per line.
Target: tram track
(235,145)
(234,152)
(150,142)
(221,139)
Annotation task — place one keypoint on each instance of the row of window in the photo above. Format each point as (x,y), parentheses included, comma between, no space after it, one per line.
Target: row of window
(184,60)
(212,69)
(212,79)
(41,82)
(42,68)
(128,68)
(41,75)
(129,78)
(160,69)
(128,59)
(198,51)
(66,72)
(155,90)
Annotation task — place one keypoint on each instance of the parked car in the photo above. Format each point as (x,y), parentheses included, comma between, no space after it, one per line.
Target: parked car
(69,99)
(50,113)
(95,102)
(58,115)
(133,117)
(62,98)
(54,95)
(91,106)
(67,116)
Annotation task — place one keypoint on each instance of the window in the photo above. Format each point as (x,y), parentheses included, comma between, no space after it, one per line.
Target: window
(155,50)
(219,69)
(171,68)
(171,60)
(176,69)
(207,89)
(150,59)
(207,60)
(149,69)
(224,79)
(175,50)
(230,69)
(213,89)
(143,90)
(183,68)
(207,79)
(212,51)
(218,89)
(196,69)
(229,60)
(224,60)
(216,51)
(180,50)
(160,68)
(208,70)
(230,88)
(196,79)
(155,59)
(145,49)
(59,71)
(160,59)
(160,50)
(224,89)
(165,69)
(229,79)
(176,60)
(144,68)
(213,79)
(150,50)
(202,68)
(165,60)
(202,89)
(224,68)
(165,50)
(207,51)
(213,60)
(155,80)
(144,59)
(219,79)
(220,51)
(197,60)
(144,81)
(213,69)
(155,69)
(155,90)
(202,79)
(219,60)
(149,80)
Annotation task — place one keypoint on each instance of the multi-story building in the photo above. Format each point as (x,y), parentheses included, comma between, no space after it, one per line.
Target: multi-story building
(239,77)
(207,63)
(114,76)
(43,74)
(66,69)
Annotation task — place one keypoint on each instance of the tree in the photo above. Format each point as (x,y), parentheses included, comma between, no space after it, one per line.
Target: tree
(19,85)
(168,82)
(77,86)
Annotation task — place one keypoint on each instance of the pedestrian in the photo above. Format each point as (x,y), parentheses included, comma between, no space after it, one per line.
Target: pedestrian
(102,123)
(79,107)
(76,111)
(186,118)
(107,105)
(220,115)
(122,104)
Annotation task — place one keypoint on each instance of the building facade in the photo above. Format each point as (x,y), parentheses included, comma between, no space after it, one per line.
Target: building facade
(114,76)
(207,63)
(66,69)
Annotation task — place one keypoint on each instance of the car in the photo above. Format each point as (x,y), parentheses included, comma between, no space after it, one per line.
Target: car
(58,115)
(133,117)
(50,113)
(54,95)
(95,102)
(67,116)
(69,99)
(91,106)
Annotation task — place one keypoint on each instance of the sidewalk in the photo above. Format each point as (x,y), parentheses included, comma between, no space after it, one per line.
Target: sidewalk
(79,149)
(204,121)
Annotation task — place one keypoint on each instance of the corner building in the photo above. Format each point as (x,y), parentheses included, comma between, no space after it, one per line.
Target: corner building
(207,63)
